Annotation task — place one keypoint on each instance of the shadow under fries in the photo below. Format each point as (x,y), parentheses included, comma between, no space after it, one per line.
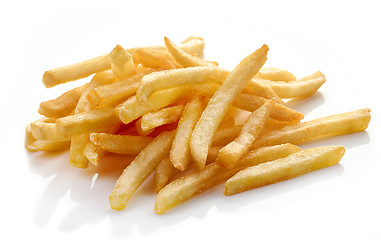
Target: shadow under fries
(233,203)
(90,189)
(306,105)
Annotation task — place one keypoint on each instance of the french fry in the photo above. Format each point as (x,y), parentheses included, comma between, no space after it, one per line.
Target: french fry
(93,153)
(180,153)
(301,88)
(193,45)
(333,125)
(139,169)
(250,103)
(121,144)
(220,103)
(285,168)
(63,105)
(177,77)
(132,109)
(40,145)
(80,139)
(183,58)
(231,153)
(186,187)
(166,172)
(141,132)
(163,116)
(29,138)
(262,90)
(45,129)
(116,92)
(275,74)
(224,136)
(93,121)
(76,71)
(122,64)
(163,173)
(156,58)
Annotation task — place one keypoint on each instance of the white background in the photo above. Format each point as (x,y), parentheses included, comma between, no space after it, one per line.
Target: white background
(43,196)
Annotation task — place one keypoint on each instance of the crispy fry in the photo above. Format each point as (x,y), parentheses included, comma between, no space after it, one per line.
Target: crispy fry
(121,144)
(183,58)
(186,187)
(163,116)
(63,105)
(231,153)
(301,88)
(132,109)
(156,58)
(139,169)
(251,103)
(76,71)
(40,145)
(141,132)
(116,92)
(122,64)
(93,121)
(45,129)
(163,173)
(333,125)
(220,103)
(93,153)
(180,153)
(177,77)
(285,168)
(193,45)
(275,74)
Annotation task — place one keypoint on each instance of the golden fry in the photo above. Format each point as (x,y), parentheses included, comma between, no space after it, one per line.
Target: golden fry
(163,173)
(163,116)
(76,71)
(45,129)
(122,64)
(301,88)
(186,187)
(139,169)
(63,105)
(275,74)
(285,168)
(231,153)
(121,144)
(220,103)
(177,77)
(29,138)
(333,125)
(132,109)
(40,145)
(180,153)
(184,58)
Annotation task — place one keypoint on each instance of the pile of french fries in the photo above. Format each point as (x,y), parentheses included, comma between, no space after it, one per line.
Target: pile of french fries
(188,121)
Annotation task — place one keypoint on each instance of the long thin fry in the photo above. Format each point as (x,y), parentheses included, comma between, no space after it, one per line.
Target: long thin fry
(180,152)
(132,109)
(40,145)
(45,129)
(285,168)
(76,71)
(186,187)
(333,125)
(184,58)
(251,103)
(163,116)
(220,103)
(231,153)
(301,88)
(178,77)
(139,169)
(276,74)
(121,144)
(163,173)
(63,105)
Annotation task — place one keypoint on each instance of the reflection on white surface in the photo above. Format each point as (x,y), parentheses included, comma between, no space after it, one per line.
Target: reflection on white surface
(89,191)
